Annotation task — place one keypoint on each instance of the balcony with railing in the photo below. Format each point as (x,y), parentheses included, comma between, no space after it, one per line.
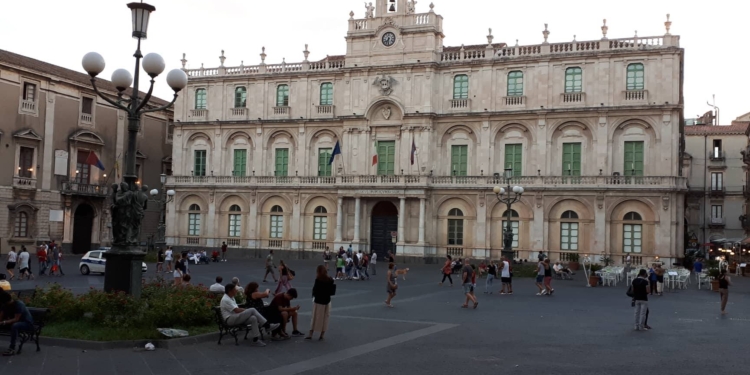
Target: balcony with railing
(238,113)
(635,96)
(324,111)
(28,106)
(75,188)
(717,157)
(646,183)
(514,101)
(24,183)
(282,112)
(717,191)
(716,222)
(87,118)
(199,114)
(572,98)
(460,105)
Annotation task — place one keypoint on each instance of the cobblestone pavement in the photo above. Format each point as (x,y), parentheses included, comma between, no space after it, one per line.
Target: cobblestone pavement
(577,331)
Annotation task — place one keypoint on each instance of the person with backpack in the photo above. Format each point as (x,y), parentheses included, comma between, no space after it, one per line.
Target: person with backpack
(639,291)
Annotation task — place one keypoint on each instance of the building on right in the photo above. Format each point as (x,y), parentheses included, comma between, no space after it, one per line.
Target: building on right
(717,159)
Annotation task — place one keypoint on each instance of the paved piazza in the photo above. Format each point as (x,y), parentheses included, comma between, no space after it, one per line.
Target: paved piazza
(577,331)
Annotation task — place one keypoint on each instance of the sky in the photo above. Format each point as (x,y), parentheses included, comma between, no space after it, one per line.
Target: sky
(61,32)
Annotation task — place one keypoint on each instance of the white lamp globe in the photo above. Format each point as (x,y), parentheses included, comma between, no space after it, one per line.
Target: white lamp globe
(153,64)
(122,79)
(154,192)
(516,189)
(496,190)
(502,191)
(177,79)
(93,63)
(520,190)
(170,193)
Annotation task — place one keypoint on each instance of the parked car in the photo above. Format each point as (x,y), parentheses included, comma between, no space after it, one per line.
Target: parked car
(94,262)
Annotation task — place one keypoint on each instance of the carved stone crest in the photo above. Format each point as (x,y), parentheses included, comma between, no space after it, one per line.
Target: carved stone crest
(387,112)
(385,84)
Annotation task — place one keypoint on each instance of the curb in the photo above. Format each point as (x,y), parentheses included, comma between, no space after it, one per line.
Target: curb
(125,344)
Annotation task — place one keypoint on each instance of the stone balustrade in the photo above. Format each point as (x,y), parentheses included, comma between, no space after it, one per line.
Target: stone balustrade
(529,183)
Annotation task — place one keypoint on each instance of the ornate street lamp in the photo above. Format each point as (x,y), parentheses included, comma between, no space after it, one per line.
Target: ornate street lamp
(162,202)
(123,269)
(503,196)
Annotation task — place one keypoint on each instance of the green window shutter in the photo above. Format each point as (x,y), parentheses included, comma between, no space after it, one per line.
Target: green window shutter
(240,97)
(324,156)
(515,83)
(240,163)
(282,96)
(633,159)
(326,94)
(635,77)
(571,159)
(459,160)
(200,99)
(386,158)
(513,156)
(573,80)
(461,87)
(235,225)
(282,162)
(199,163)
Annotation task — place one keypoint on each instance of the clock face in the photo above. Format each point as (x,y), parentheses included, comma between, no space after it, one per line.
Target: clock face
(388,39)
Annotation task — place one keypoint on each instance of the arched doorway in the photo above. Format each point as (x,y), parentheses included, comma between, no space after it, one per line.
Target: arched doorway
(384,221)
(83,224)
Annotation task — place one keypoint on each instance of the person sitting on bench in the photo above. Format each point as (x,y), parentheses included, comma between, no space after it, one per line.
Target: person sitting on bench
(215,256)
(236,316)
(14,316)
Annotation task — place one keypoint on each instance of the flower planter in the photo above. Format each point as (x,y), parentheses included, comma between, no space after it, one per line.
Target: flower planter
(593,280)
(574,266)
(715,285)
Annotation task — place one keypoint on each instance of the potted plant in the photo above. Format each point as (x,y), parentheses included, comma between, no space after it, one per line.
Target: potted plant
(713,273)
(593,278)
(573,264)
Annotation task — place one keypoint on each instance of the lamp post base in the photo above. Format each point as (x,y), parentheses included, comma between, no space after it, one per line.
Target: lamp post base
(509,254)
(124,270)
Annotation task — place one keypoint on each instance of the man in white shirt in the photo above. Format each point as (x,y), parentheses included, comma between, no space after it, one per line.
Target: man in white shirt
(234,315)
(373,262)
(506,278)
(218,287)
(23,265)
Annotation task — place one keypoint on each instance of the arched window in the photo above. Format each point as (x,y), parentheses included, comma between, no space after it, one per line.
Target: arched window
(320,224)
(21,227)
(282,96)
(632,234)
(240,97)
(455,227)
(573,80)
(200,99)
(461,86)
(635,77)
(514,225)
(235,221)
(277,222)
(326,93)
(194,220)
(569,231)
(515,83)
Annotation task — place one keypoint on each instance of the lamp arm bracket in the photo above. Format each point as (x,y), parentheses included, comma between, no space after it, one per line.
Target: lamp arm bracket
(162,107)
(108,100)
(146,99)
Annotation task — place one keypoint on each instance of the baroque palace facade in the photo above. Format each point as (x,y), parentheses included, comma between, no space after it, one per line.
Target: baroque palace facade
(592,130)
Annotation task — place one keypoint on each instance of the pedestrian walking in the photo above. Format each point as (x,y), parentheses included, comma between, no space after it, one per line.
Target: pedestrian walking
(392,284)
(506,276)
(548,277)
(10,266)
(23,265)
(168,259)
(491,275)
(640,289)
(365,264)
(540,278)
(374,262)
(447,269)
(224,251)
(467,277)
(160,261)
(285,276)
(340,264)
(724,283)
(326,257)
(41,256)
(323,289)
(269,267)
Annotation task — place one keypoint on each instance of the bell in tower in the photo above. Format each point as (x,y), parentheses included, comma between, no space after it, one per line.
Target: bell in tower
(392,8)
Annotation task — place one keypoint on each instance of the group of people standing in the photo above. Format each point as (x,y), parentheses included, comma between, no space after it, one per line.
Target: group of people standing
(49,256)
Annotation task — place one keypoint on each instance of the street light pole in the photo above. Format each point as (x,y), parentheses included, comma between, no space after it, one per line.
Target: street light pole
(123,267)
(162,202)
(500,193)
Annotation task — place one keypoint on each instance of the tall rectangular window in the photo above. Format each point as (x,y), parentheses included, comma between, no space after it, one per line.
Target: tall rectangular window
(632,238)
(277,226)
(717,180)
(282,96)
(633,158)
(717,211)
(26,162)
(324,156)
(200,99)
(514,227)
(513,155)
(83,169)
(461,86)
(635,80)
(716,149)
(29,91)
(569,236)
(199,163)
(515,83)
(240,97)
(573,80)
(87,105)
(571,159)
(21,225)
(326,94)
(320,228)
(240,163)
(456,232)
(194,224)
(459,160)
(282,162)
(386,158)
(235,225)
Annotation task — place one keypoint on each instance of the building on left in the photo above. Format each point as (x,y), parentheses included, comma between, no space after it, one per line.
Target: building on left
(61,149)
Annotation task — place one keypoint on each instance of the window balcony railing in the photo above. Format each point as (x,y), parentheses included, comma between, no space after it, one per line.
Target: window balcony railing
(717,156)
(573,98)
(635,96)
(282,112)
(460,104)
(716,222)
(324,111)
(87,118)
(233,242)
(74,188)
(199,114)
(717,191)
(24,182)
(28,106)
(239,113)
(514,101)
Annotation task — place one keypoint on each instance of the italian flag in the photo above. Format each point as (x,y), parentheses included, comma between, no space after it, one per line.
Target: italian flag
(375,153)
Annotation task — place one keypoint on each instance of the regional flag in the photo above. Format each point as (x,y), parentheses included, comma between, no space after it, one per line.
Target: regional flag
(336,151)
(92,159)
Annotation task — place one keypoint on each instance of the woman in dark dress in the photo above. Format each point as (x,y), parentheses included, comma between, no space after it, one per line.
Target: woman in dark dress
(255,298)
(322,291)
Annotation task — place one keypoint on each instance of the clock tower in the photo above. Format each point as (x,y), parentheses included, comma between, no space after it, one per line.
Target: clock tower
(394,32)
